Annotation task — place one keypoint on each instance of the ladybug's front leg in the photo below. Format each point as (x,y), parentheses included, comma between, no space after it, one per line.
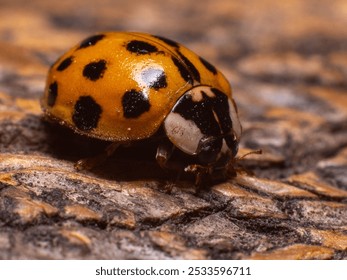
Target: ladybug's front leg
(163,156)
(91,162)
(200,172)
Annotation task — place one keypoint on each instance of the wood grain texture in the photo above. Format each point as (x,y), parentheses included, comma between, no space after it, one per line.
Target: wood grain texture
(287,64)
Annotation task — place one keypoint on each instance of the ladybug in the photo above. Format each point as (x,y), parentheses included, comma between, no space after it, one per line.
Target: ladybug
(125,87)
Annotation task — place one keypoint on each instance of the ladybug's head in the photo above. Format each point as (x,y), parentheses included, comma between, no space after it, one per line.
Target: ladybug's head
(204,123)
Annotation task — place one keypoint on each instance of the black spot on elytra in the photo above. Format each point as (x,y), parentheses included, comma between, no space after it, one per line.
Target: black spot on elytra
(140,47)
(52,94)
(86,114)
(134,103)
(91,41)
(208,65)
(167,41)
(191,67)
(183,70)
(65,63)
(94,70)
(154,78)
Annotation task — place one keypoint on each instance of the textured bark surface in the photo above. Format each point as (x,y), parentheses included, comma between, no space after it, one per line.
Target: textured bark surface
(287,64)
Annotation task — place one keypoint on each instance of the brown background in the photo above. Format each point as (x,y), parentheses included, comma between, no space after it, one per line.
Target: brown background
(287,63)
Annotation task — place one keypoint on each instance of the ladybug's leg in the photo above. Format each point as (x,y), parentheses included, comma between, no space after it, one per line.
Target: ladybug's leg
(91,162)
(200,172)
(164,152)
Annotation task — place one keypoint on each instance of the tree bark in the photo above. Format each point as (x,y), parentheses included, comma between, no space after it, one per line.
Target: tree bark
(287,65)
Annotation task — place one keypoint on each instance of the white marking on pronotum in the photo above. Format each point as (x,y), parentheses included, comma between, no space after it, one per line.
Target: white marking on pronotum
(196,93)
(184,134)
(235,120)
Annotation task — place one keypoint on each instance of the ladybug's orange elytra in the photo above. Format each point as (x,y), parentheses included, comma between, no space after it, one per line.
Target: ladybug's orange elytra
(125,86)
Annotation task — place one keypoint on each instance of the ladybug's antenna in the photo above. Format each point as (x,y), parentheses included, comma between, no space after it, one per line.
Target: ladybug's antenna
(254,152)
